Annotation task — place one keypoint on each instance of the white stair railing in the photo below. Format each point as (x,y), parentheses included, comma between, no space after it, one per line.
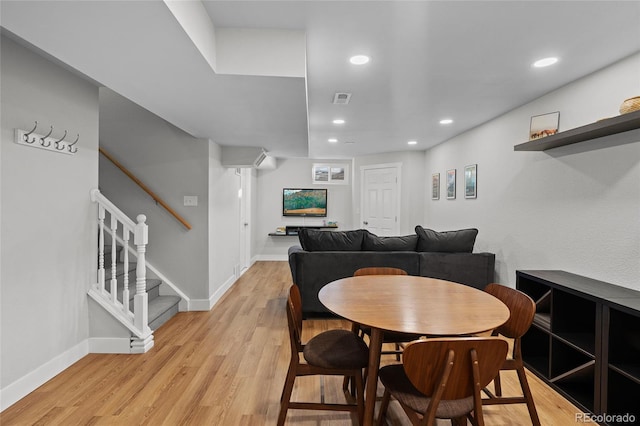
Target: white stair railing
(121,225)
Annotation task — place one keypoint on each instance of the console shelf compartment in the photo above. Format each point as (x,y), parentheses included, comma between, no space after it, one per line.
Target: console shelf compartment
(585,341)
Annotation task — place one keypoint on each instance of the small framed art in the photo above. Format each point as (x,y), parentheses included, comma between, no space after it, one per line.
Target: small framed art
(330,174)
(435,186)
(451,184)
(470,181)
(544,125)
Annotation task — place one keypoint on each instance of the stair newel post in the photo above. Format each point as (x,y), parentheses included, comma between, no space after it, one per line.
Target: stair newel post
(140,300)
(114,281)
(125,292)
(101,248)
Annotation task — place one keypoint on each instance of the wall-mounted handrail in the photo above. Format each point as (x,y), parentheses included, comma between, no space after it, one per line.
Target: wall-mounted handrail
(145,188)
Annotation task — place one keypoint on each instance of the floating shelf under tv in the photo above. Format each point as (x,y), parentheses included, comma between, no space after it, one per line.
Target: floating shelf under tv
(292,231)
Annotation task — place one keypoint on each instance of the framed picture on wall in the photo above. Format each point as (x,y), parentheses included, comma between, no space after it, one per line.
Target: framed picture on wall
(451,184)
(470,181)
(544,125)
(330,174)
(435,186)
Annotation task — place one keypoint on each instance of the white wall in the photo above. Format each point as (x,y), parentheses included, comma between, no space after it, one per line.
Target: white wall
(224,224)
(574,208)
(49,232)
(172,164)
(294,173)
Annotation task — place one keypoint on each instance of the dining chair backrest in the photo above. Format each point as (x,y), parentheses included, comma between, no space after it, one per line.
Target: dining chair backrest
(379,271)
(294,317)
(521,307)
(453,368)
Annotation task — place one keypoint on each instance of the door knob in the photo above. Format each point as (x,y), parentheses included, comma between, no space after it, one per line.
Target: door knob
(365,222)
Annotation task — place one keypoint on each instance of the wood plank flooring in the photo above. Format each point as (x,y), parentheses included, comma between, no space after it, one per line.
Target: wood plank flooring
(223,367)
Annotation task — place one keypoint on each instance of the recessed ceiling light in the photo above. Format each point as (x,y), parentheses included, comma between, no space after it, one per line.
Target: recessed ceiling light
(545,62)
(359,59)
(412,142)
(332,140)
(446,121)
(338,121)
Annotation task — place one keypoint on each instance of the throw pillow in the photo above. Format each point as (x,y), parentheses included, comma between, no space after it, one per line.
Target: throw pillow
(315,240)
(460,241)
(372,242)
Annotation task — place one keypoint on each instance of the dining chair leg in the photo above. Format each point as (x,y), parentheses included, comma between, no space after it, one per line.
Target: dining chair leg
(522,376)
(286,395)
(384,404)
(359,385)
(497,386)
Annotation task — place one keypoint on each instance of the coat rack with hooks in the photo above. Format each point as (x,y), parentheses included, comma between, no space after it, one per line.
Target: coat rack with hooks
(48,142)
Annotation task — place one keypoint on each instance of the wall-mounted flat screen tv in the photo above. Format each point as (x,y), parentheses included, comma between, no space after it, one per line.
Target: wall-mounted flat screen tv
(304,202)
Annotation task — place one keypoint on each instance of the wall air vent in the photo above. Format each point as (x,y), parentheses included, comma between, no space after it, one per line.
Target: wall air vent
(341,98)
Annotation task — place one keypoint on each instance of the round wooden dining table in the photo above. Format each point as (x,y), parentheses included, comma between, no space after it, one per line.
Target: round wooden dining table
(409,304)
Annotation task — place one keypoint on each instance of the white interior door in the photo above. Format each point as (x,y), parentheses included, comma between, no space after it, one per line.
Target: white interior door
(245,222)
(380,201)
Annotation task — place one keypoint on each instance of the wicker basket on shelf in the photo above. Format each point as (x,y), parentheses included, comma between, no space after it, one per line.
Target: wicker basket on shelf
(630,105)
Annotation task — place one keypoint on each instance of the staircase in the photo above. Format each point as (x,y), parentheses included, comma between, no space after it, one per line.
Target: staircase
(160,307)
(139,302)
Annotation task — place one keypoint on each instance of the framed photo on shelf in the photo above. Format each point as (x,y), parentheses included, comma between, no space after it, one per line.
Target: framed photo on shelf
(544,125)
(330,174)
(470,181)
(435,186)
(451,184)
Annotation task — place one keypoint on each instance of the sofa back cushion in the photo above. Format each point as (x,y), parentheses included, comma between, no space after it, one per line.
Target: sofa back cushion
(372,242)
(315,240)
(460,241)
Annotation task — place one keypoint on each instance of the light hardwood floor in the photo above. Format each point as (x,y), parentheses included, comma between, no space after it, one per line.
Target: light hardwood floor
(223,367)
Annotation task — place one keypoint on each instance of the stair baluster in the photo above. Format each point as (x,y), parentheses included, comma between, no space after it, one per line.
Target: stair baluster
(101,274)
(125,291)
(114,253)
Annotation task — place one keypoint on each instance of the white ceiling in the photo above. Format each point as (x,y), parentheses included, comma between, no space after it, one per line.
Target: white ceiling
(468,60)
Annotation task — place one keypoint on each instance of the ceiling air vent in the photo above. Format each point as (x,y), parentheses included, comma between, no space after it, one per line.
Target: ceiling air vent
(341,98)
(260,159)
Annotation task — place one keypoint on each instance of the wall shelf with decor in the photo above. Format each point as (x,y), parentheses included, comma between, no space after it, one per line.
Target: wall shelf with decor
(585,341)
(606,127)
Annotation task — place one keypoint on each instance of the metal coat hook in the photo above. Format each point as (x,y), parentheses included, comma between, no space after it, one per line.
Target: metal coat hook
(70,146)
(26,135)
(47,142)
(57,143)
(43,139)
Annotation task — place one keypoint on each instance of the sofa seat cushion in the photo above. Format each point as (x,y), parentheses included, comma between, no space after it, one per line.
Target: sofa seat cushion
(372,242)
(460,241)
(315,240)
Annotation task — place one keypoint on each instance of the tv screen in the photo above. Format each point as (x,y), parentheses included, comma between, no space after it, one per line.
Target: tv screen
(304,202)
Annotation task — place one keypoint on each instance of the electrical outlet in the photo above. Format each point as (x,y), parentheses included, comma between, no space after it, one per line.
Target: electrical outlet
(191,200)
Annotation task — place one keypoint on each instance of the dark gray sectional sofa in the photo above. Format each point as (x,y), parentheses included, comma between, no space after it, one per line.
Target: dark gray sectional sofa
(325,256)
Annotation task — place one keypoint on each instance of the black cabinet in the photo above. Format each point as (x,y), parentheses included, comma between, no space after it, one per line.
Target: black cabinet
(585,342)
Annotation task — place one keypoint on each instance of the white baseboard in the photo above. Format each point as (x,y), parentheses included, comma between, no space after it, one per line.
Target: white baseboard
(272,258)
(208,304)
(30,382)
(109,345)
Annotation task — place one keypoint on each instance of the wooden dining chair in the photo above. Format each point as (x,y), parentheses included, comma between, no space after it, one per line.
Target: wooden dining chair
(331,353)
(522,309)
(442,378)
